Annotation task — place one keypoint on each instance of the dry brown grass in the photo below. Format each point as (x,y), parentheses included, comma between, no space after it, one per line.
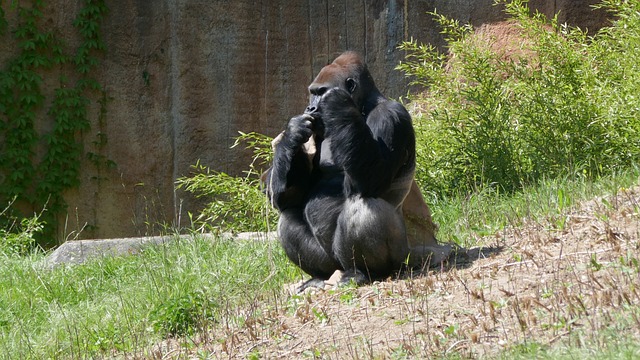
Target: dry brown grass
(565,280)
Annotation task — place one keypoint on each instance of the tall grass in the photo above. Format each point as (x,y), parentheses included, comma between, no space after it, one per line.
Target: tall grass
(18,237)
(464,220)
(125,304)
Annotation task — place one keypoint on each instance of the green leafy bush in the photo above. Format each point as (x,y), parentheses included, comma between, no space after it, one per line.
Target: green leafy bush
(182,314)
(559,105)
(234,203)
(19,237)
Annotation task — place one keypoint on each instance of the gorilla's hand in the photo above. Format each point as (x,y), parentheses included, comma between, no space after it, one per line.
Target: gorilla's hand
(335,98)
(299,129)
(337,107)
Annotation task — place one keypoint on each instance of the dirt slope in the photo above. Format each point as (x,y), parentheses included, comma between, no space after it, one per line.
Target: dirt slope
(568,280)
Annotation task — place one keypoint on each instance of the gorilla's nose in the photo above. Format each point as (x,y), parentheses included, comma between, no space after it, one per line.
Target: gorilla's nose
(310,109)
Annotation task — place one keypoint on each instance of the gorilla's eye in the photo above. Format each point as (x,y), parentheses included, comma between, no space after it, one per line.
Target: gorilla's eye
(318,91)
(351,85)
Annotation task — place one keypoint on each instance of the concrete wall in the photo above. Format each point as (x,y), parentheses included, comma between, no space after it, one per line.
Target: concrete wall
(185,76)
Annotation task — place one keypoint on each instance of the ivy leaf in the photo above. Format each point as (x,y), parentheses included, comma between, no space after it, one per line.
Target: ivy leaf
(28,45)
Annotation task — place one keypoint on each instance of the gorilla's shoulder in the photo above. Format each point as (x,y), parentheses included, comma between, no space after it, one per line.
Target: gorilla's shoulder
(392,108)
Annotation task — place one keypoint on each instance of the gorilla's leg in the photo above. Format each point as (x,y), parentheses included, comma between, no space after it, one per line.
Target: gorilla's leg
(301,246)
(370,240)
(321,214)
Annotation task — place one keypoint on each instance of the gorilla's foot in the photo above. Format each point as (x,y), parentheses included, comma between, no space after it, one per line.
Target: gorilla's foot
(439,254)
(446,255)
(356,276)
(428,256)
(311,283)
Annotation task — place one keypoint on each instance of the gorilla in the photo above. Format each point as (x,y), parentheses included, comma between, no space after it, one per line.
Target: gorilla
(340,175)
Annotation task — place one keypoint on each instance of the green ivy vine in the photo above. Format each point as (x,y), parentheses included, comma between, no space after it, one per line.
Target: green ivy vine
(29,178)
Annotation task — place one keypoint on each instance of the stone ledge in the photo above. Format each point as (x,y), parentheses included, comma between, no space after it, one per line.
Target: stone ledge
(79,251)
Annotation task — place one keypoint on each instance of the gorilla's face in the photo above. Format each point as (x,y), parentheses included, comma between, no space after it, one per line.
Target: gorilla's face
(346,72)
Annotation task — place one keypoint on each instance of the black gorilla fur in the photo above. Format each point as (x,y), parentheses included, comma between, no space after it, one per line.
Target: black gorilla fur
(340,206)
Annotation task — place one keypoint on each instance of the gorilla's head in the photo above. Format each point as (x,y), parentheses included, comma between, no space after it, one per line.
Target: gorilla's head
(347,72)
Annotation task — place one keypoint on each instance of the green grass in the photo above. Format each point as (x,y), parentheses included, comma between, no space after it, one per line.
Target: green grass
(127,303)
(185,288)
(464,218)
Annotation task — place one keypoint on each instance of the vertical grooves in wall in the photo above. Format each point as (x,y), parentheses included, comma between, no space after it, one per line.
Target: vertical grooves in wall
(405,23)
(328,31)
(227,141)
(311,55)
(366,30)
(265,25)
(175,95)
(346,26)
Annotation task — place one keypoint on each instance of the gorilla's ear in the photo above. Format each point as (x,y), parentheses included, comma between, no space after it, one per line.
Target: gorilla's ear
(351,85)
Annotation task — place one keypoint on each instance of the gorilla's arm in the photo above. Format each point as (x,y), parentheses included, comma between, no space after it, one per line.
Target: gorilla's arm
(372,153)
(289,179)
